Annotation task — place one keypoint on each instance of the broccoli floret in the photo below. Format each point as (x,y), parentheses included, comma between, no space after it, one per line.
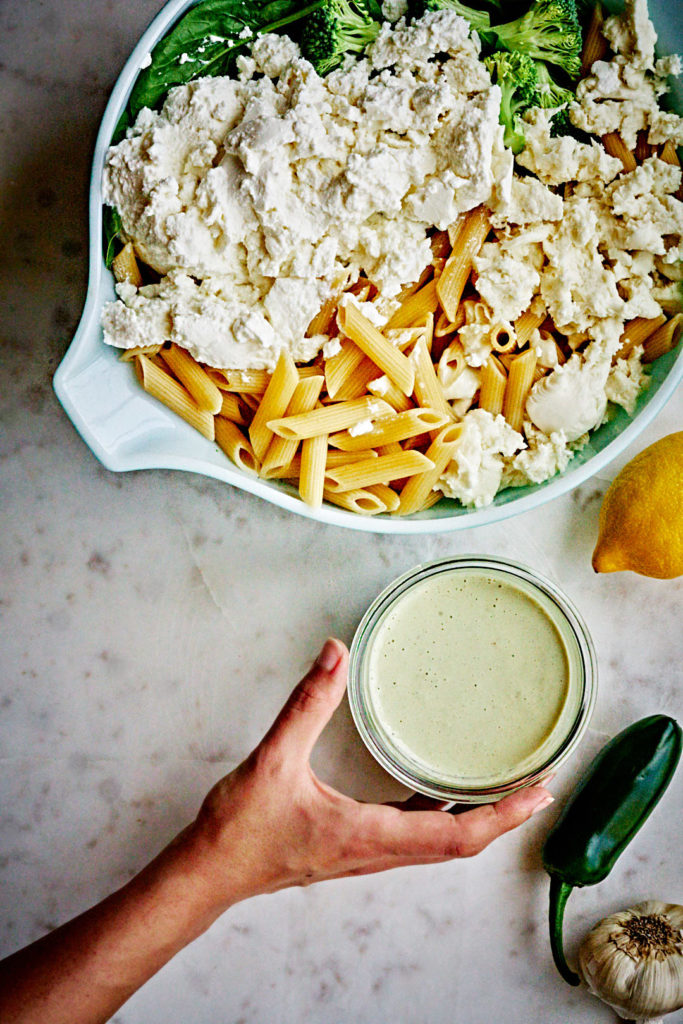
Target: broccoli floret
(517,76)
(335,29)
(480,21)
(550,94)
(549,31)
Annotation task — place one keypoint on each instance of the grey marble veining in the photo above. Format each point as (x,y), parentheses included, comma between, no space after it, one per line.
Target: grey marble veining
(139,660)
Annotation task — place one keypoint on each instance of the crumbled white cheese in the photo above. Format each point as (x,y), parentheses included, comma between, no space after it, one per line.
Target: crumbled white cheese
(530,202)
(362,427)
(282,183)
(626,380)
(507,284)
(474,475)
(543,457)
(622,95)
(571,399)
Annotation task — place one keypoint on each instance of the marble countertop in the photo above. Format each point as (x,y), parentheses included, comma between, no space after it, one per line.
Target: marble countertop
(140,661)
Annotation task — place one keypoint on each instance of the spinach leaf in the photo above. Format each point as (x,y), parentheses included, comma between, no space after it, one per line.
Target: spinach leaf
(206,41)
(111,229)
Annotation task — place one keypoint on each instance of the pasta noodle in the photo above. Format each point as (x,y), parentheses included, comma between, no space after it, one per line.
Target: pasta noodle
(384,388)
(384,468)
(636,333)
(364,502)
(376,347)
(471,236)
(418,489)
(328,419)
(615,146)
(663,339)
(235,445)
(493,385)
(275,400)
(159,383)
(428,391)
(444,326)
(312,478)
(397,428)
(526,324)
(281,451)
(520,378)
(339,367)
(129,354)
(125,266)
(247,382)
(195,379)
(595,44)
(385,494)
(356,384)
(415,307)
(231,409)
(503,338)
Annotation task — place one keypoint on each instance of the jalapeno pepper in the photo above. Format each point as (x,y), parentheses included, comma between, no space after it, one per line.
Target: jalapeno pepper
(622,786)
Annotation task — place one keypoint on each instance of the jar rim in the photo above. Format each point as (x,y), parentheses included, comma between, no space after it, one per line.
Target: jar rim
(390,758)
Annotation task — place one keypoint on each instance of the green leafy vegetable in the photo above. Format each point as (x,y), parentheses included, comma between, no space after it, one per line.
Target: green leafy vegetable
(206,41)
(517,76)
(549,31)
(335,29)
(111,233)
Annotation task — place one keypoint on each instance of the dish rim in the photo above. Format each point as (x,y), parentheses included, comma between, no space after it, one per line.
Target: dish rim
(87,336)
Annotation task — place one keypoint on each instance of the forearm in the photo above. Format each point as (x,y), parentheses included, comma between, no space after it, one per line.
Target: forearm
(82,972)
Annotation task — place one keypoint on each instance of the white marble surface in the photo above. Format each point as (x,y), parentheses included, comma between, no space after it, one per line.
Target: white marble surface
(153,623)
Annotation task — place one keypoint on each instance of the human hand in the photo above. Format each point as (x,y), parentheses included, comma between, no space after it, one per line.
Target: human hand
(271,823)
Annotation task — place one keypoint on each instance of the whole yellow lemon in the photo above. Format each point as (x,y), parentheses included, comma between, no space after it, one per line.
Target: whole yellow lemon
(641,518)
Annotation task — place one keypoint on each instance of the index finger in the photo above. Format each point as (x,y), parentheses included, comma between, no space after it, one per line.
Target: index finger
(433,835)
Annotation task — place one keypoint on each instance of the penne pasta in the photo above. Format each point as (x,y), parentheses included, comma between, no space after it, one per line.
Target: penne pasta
(615,146)
(333,458)
(519,382)
(669,154)
(159,383)
(339,367)
(356,384)
(247,382)
(503,338)
(232,409)
(312,478)
(276,398)
(281,451)
(380,470)
(398,427)
(414,309)
(125,266)
(493,384)
(389,359)
(469,241)
(393,448)
(428,390)
(444,326)
(194,378)
(329,419)
(663,339)
(595,45)
(364,502)
(386,495)
(416,492)
(323,321)
(637,332)
(643,148)
(235,445)
(128,354)
(385,389)
(526,324)
(451,365)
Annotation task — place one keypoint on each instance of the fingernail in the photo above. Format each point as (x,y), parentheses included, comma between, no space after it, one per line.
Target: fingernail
(545,802)
(329,656)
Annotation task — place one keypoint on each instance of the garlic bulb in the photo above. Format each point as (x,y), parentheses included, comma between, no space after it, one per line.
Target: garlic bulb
(633,961)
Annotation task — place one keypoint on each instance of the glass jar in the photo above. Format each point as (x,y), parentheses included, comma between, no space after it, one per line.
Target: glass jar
(536,600)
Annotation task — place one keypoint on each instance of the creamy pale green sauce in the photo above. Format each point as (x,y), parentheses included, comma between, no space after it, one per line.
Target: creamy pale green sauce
(468,674)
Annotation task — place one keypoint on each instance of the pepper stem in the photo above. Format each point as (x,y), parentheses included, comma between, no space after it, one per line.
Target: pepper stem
(559,894)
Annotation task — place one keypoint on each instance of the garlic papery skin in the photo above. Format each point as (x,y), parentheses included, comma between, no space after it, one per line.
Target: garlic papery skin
(633,961)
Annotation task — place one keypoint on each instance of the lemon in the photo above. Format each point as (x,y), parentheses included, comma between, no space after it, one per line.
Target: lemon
(641,519)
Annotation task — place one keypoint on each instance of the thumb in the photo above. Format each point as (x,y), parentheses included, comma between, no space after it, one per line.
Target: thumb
(311,703)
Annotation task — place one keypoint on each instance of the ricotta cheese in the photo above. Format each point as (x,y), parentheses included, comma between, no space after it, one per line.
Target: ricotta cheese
(571,399)
(258,195)
(474,475)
